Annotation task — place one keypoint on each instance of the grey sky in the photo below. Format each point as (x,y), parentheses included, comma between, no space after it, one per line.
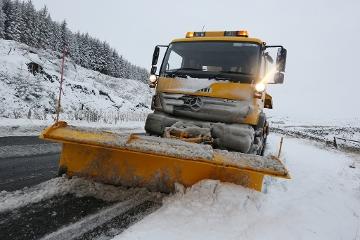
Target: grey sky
(322,77)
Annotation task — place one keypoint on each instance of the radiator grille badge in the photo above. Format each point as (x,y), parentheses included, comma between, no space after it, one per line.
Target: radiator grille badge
(194,103)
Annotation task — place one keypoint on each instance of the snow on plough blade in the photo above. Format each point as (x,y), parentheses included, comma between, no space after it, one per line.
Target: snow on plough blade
(155,163)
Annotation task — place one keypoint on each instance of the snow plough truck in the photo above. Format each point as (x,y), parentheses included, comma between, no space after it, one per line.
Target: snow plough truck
(208,119)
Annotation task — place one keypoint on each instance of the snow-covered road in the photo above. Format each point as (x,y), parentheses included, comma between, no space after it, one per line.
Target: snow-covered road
(72,209)
(321,201)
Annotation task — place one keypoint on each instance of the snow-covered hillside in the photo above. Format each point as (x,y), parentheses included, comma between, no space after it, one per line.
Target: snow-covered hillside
(24,94)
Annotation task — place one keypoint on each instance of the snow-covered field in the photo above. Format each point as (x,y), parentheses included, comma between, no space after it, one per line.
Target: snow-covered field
(336,136)
(343,133)
(321,201)
(87,94)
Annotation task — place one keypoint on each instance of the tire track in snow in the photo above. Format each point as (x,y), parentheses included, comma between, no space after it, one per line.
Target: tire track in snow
(88,224)
(78,215)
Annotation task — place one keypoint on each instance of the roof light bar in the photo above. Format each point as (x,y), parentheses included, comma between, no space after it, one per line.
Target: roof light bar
(230,33)
(190,34)
(199,34)
(241,33)
(195,34)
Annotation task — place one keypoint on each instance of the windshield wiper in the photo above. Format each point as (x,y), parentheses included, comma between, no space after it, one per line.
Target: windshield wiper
(233,72)
(220,75)
(185,69)
(178,72)
(216,77)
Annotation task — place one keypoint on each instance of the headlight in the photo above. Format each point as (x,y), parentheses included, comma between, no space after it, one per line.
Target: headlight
(153,78)
(260,87)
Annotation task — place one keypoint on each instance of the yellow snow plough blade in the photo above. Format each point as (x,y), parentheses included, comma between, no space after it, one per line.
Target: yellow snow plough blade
(155,163)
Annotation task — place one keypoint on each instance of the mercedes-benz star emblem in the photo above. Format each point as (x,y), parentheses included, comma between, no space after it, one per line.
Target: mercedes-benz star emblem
(196,104)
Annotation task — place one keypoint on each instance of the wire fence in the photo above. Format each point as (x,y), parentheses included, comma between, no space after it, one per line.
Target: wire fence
(109,117)
(336,141)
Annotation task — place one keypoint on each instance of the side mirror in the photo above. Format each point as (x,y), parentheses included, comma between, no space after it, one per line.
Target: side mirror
(279,78)
(153,76)
(155,55)
(281,59)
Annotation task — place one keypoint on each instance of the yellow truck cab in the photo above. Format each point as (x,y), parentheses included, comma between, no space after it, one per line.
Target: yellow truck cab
(211,88)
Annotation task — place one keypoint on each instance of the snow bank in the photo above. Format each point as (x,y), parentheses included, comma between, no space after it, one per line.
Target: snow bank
(61,186)
(321,201)
(22,127)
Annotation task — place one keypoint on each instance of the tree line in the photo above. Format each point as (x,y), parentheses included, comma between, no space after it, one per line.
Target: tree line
(20,21)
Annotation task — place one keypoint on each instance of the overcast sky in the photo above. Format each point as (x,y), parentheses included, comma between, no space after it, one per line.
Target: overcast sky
(322,39)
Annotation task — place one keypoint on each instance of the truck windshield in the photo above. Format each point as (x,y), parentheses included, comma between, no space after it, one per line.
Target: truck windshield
(236,61)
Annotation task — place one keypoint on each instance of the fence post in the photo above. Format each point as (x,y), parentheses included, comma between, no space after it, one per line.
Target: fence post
(335,143)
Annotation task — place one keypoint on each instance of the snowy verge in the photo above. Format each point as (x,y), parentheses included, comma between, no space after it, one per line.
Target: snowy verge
(30,127)
(321,201)
(342,133)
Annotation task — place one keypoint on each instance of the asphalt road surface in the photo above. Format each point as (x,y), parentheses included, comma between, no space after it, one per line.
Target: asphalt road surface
(75,218)
(29,168)
(27,161)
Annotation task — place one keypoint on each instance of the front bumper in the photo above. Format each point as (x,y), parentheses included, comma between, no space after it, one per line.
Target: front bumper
(237,137)
(203,108)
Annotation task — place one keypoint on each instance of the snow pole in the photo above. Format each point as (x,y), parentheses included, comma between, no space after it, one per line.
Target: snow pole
(280,147)
(58,107)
